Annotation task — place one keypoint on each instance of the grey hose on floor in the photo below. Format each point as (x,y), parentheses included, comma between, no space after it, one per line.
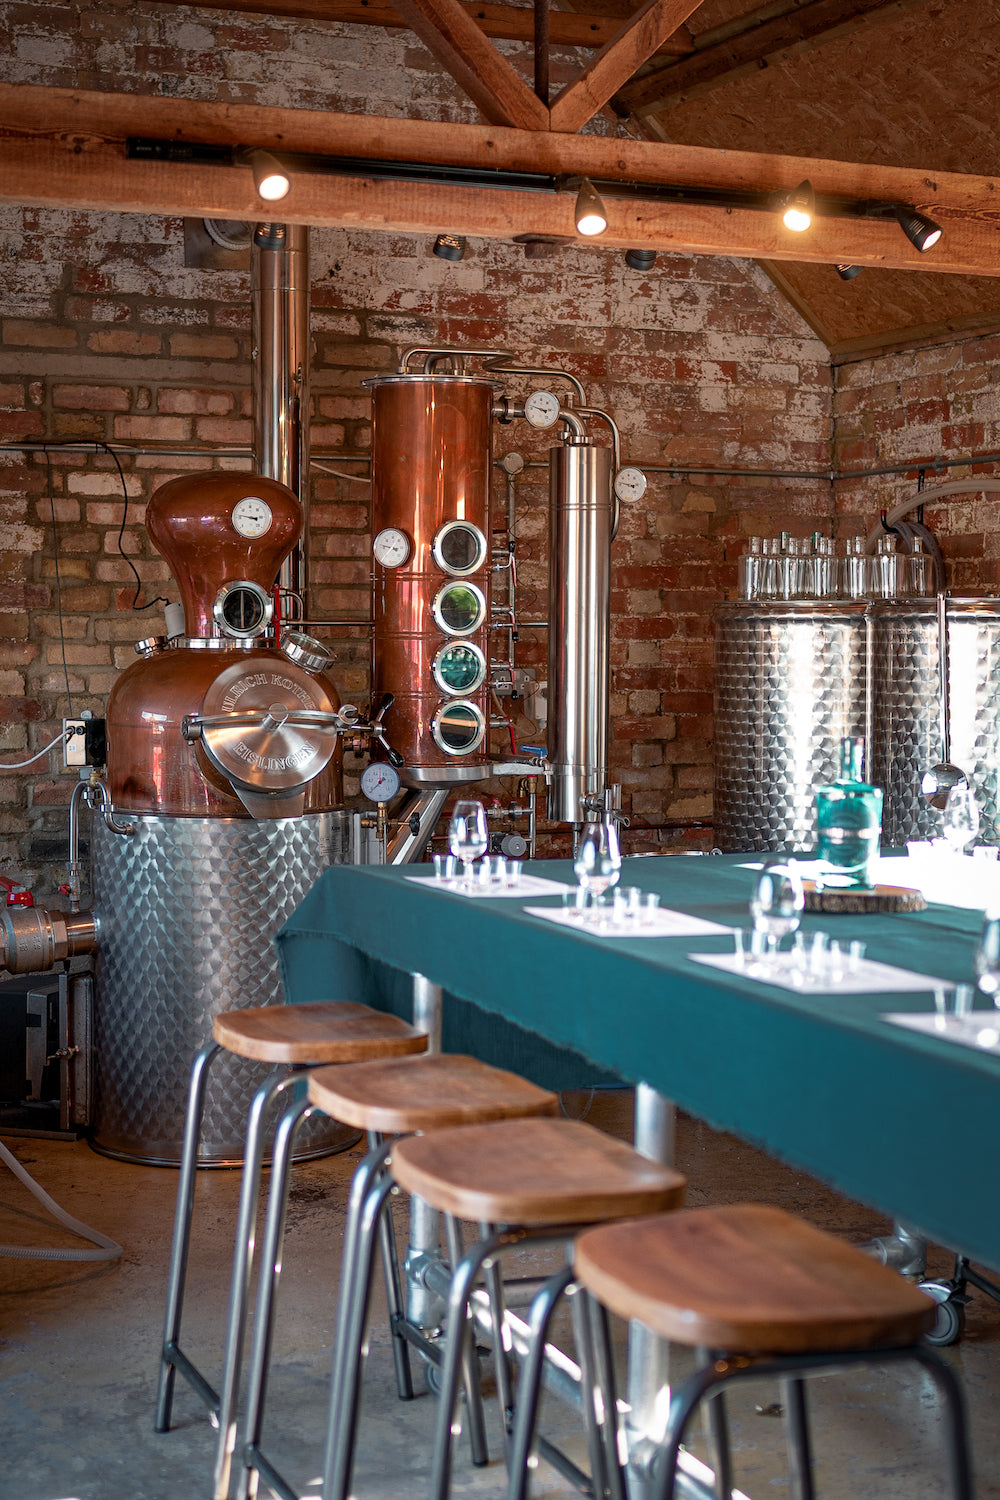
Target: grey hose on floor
(107,1249)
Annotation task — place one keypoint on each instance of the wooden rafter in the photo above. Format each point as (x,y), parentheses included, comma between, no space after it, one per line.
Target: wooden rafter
(64,148)
(762,40)
(511,23)
(618,61)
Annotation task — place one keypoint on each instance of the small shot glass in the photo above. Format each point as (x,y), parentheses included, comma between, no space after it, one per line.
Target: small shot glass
(965,994)
(512,876)
(940,1007)
(855,956)
(649,907)
(444,867)
(574,904)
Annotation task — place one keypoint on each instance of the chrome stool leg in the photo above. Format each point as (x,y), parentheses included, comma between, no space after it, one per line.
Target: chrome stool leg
(171,1358)
(239,1285)
(529,1385)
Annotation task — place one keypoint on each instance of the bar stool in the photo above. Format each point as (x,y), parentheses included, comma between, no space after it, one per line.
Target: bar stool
(294,1038)
(520,1179)
(759,1292)
(391,1097)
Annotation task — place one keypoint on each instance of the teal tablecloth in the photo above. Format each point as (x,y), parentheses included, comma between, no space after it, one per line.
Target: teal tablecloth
(905,1122)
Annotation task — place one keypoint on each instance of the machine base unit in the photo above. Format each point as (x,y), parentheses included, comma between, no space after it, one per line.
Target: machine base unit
(188,908)
(45,1054)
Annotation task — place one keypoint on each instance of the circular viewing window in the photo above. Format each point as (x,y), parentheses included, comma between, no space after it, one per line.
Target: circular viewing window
(459,608)
(459,548)
(459,668)
(242,609)
(458,728)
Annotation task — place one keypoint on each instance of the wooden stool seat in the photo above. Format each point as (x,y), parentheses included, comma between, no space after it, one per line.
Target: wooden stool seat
(397,1095)
(329,1031)
(749,1279)
(533,1173)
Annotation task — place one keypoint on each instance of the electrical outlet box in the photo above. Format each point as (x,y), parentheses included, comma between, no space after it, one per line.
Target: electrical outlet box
(75,743)
(87,745)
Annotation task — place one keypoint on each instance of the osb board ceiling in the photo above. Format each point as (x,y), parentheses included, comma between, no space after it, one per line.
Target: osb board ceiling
(910,84)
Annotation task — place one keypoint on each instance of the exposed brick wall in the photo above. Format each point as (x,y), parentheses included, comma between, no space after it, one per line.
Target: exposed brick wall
(107,337)
(913,408)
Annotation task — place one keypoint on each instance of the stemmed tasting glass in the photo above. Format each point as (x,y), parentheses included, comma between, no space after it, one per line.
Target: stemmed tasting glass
(960,823)
(598,862)
(987,959)
(777,903)
(468,836)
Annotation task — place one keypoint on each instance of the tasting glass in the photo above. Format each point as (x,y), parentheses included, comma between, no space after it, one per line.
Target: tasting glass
(987,957)
(598,860)
(468,837)
(777,903)
(960,822)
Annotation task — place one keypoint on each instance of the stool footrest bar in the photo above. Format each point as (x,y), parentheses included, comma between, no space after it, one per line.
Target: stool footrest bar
(195,1379)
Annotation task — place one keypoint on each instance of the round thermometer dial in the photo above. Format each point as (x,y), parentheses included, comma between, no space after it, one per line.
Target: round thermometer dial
(542,408)
(251,516)
(391,547)
(630,484)
(380,781)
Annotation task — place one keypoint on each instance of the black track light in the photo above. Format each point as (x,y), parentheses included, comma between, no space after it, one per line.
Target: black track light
(450,246)
(799,207)
(848,273)
(590,214)
(640,260)
(269,176)
(919,230)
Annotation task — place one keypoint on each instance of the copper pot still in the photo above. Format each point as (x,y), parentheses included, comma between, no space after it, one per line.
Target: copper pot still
(225,537)
(431,462)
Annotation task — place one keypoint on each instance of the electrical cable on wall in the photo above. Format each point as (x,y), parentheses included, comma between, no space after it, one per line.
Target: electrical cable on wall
(338,473)
(19,765)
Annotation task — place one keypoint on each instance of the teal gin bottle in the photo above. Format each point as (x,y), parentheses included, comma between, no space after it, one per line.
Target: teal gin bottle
(848,823)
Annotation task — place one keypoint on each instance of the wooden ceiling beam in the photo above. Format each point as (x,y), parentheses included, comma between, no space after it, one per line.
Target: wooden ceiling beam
(62,148)
(763,40)
(618,61)
(452,37)
(503,22)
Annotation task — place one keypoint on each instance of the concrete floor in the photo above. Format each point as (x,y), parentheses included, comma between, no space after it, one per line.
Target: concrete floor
(79,1345)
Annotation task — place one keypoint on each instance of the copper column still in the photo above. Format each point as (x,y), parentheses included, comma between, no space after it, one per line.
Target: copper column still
(431,571)
(224,773)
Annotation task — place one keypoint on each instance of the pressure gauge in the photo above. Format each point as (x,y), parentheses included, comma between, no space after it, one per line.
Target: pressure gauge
(542,408)
(630,484)
(380,781)
(391,547)
(251,516)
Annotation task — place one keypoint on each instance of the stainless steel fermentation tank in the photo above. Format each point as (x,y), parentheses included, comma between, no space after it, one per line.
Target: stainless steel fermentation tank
(792,679)
(789,684)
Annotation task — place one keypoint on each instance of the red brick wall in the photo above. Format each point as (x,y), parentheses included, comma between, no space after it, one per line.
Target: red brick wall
(106,336)
(913,408)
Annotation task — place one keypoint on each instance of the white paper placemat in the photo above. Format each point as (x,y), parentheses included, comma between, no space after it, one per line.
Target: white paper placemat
(869,976)
(980,1029)
(661,923)
(527,886)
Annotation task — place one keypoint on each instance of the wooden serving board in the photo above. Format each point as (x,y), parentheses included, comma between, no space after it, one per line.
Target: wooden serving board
(879,898)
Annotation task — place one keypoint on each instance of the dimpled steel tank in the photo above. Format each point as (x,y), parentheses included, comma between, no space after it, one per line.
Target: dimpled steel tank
(789,684)
(906,735)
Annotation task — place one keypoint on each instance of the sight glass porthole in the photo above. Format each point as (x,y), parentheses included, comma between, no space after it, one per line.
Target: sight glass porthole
(459,667)
(459,548)
(459,608)
(458,728)
(242,609)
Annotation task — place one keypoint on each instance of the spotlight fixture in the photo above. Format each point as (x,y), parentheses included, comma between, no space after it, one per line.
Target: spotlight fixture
(449,246)
(269,176)
(590,214)
(919,230)
(640,260)
(848,273)
(799,207)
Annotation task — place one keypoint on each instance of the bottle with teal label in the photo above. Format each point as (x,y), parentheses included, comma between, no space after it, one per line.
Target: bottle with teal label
(848,823)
